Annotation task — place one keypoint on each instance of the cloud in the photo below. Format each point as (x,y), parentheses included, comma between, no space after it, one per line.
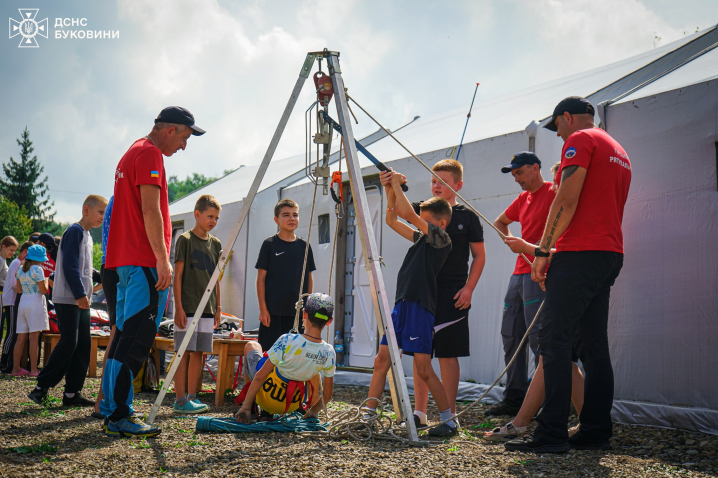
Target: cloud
(585,34)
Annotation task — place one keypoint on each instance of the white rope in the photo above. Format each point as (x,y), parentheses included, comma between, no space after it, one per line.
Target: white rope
(347,421)
(491,224)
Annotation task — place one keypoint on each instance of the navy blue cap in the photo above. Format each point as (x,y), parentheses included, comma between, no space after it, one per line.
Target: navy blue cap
(47,239)
(179,115)
(521,159)
(574,105)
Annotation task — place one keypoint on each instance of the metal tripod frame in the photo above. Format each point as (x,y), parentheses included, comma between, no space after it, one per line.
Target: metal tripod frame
(380,301)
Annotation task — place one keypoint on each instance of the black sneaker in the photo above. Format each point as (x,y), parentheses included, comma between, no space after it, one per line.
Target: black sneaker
(418,424)
(38,395)
(443,431)
(580,441)
(536,444)
(502,409)
(77,400)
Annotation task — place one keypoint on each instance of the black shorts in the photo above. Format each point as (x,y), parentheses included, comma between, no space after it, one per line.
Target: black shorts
(109,287)
(451,327)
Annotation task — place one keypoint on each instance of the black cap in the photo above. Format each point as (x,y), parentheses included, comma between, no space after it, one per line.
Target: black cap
(178,115)
(47,239)
(574,105)
(520,159)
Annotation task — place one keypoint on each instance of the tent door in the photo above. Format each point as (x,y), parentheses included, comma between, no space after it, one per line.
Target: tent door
(360,327)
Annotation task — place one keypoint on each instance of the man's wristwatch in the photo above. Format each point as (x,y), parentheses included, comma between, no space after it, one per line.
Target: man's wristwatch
(539,253)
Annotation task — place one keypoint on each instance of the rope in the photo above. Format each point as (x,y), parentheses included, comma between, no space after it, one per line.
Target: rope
(299,304)
(290,423)
(491,224)
(336,227)
(347,421)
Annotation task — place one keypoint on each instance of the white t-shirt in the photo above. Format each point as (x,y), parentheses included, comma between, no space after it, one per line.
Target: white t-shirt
(300,359)
(8,295)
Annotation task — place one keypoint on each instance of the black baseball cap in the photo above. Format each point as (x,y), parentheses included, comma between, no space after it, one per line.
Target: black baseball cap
(521,159)
(574,105)
(179,115)
(47,239)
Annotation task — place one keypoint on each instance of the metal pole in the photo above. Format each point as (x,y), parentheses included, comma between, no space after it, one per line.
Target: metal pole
(402,404)
(243,213)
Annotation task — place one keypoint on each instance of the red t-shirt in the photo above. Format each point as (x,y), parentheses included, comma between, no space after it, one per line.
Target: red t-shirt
(128,244)
(48,267)
(531,211)
(596,224)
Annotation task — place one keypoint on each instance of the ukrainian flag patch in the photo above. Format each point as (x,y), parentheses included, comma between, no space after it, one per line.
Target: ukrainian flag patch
(155,174)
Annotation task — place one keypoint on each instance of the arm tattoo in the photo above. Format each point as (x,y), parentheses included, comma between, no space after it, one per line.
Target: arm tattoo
(568,172)
(549,239)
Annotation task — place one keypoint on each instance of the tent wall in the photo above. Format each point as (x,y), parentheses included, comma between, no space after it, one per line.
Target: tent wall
(664,309)
(232,286)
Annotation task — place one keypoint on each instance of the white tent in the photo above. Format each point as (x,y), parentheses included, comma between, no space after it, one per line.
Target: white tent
(668,385)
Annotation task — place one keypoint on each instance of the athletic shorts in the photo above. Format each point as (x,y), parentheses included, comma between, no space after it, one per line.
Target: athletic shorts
(109,287)
(272,397)
(32,314)
(451,327)
(201,340)
(251,362)
(413,326)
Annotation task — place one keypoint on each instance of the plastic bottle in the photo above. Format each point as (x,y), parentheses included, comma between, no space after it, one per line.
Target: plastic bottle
(339,348)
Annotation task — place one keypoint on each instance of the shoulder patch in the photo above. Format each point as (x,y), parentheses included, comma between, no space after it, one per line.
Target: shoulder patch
(570,153)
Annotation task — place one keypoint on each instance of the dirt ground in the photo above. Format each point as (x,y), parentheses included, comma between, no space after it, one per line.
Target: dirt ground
(57,441)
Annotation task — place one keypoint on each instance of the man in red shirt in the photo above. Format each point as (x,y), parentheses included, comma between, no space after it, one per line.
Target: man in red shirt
(584,226)
(138,250)
(524,296)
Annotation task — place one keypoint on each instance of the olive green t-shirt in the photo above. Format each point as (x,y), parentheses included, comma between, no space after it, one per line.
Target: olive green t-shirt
(200,258)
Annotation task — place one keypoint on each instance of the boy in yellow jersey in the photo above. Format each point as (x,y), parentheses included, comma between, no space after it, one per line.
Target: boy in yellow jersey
(287,376)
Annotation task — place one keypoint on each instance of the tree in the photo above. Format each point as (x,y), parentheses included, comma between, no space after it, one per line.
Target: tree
(177,188)
(25,186)
(13,221)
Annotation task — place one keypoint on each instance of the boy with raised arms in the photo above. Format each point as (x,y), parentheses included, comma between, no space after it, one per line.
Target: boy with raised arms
(416,293)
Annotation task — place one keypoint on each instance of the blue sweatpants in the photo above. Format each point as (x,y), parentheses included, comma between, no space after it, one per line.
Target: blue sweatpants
(139,312)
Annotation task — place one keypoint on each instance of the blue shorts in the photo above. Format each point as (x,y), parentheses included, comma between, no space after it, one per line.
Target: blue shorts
(413,326)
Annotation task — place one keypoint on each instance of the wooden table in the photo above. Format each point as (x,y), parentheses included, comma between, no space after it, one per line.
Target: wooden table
(49,341)
(226,350)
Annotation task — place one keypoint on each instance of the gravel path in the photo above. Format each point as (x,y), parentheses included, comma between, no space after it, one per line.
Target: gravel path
(58,441)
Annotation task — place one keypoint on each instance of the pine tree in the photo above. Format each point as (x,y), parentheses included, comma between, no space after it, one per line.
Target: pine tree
(13,221)
(24,185)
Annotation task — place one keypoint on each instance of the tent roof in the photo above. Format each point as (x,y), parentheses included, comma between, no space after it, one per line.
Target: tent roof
(704,68)
(490,118)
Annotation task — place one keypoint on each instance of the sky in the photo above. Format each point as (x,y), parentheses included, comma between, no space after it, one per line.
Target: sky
(233,65)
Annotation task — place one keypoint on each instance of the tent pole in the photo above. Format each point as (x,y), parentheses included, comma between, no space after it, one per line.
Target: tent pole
(243,213)
(397,381)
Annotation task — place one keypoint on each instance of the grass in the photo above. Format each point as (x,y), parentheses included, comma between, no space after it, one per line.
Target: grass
(453,448)
(43,448)
(142,444)
(484,425)
(524,462)
(195,442)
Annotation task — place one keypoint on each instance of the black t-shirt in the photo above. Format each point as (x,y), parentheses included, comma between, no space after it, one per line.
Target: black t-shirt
(417,277)
(465,227)
(283,262)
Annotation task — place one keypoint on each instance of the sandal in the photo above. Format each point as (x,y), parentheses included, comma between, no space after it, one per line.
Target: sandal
(507,432)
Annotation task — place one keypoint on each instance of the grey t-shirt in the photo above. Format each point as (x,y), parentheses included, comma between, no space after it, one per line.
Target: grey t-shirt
(3,271)
(416,281)
(200,257)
